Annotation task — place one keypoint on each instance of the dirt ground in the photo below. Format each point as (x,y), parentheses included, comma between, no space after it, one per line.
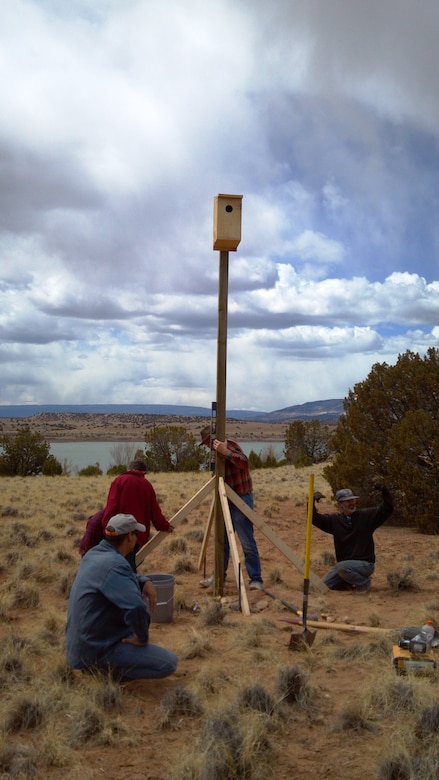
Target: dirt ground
(310,744)
(341,729)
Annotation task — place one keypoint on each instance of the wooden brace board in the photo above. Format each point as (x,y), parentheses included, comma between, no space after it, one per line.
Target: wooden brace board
(233,547)
(272,537)
(176,520)
(207,531)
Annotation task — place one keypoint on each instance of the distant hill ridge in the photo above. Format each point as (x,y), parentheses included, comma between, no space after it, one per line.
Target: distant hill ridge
(322,410)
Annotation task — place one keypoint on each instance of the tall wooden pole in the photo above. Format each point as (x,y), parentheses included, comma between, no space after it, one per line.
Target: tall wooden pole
(220,417)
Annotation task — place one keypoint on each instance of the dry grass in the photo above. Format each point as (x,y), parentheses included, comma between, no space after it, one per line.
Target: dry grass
(241,704)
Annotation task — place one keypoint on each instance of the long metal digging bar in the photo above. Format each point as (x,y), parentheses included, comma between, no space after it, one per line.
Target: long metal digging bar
(306,638)
(287,604)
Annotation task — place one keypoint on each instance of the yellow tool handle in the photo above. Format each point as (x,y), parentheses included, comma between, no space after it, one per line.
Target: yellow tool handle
(309,526)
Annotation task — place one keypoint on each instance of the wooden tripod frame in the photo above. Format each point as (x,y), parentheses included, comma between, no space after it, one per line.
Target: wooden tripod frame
(225,494)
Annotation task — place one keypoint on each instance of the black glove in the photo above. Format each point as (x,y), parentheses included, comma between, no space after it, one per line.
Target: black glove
(379,485)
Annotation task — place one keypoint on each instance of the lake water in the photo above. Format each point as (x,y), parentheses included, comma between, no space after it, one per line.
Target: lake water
(80,454)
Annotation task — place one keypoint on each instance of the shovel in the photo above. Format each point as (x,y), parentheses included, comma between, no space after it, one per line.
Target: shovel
(298,641)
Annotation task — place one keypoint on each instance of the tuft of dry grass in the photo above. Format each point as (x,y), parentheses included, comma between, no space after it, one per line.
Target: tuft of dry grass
(177,545)
(376,648)
(195,646)
(293,687)
(254,632)
(25,713)
(54,748)
(256,697)
(108,696)
(232,744)
(177,705)
(405,581)
(393,696)
(353,718)
(211,614)
(275,576)
(398,767)
(428,722)
(85,725)
(374,619)
(327,558)
(24,596)
(183,564)
(211,679)
(18,760)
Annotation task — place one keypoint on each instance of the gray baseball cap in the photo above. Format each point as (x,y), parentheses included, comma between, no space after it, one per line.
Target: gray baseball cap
(345,495)
(123,524)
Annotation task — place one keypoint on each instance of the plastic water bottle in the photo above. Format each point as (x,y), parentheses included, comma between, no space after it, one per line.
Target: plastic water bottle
(421,643)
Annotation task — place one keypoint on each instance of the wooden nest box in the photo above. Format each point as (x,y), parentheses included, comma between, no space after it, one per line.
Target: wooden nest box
(227,210)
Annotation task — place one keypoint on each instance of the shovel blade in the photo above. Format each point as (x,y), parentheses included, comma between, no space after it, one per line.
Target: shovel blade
(303,640)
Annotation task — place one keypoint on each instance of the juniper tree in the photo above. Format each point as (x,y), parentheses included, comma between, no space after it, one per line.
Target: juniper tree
(389,432)
(23,453)
(171,448)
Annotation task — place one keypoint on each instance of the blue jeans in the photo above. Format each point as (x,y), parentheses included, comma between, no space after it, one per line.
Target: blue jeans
(244,529)
(346,573)
(130,662)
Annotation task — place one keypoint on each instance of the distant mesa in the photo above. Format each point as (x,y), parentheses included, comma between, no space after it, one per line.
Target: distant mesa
(323,410)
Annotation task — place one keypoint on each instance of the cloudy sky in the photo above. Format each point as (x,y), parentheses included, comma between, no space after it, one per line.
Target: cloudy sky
(120,122)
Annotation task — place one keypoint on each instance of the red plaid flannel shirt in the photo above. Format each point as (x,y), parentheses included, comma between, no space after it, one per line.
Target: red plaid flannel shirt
(237,472)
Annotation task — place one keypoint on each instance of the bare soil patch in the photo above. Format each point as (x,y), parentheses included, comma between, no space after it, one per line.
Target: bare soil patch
(346,725)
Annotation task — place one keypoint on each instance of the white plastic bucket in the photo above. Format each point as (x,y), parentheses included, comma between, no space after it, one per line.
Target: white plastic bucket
(164,585)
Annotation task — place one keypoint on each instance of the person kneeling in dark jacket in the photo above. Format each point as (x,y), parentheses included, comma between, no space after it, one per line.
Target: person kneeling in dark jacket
(352,530)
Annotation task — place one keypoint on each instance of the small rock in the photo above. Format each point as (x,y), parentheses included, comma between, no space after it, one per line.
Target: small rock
(260,605)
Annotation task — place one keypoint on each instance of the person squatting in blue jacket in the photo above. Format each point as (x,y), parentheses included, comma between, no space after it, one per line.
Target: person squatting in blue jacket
(107,618)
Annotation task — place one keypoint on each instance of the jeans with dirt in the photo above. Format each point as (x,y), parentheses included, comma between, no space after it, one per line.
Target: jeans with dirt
(349,573)
(244,529)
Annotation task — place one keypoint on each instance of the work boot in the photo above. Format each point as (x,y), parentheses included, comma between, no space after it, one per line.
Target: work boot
(363,588)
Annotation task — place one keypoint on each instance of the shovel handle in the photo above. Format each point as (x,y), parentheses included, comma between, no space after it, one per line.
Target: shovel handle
(309,526)
(342,627)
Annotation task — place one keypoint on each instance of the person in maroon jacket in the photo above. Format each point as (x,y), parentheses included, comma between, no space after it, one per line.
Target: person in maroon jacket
(131,493)
(94,533)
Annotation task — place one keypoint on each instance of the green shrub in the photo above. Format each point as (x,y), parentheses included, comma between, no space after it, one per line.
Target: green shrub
(91,471)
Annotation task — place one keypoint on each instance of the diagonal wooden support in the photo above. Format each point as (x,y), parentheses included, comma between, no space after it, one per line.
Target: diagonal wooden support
(237,568)
(272,537)
(207,531)
(176,520)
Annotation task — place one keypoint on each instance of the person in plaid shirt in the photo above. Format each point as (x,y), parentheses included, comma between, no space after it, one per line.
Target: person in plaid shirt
(237,476)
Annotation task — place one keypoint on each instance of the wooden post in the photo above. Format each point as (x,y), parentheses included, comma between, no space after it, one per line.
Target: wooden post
(218,588)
